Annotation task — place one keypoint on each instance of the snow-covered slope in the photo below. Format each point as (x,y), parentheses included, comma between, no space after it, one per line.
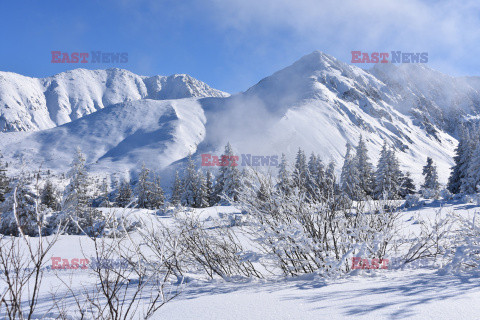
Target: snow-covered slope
(318,104)
(28,104)
(116,138)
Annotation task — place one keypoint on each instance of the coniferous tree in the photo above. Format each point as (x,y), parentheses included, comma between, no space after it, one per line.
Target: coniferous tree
(473,173)
(300,171)
(125,194)
(149,192)
(262,193)
(388,175)
(312,176)
(156,197)
(49,196)
(4,181)
(229,178)
(210,188)
(431,176)
(76,193)
(176,190)
(320,178)
(104,199)
(143,188)
(364,168)
(20,200)
(312,165)
(76,200)
(284,183)
(190,184)
(349,176)
(408,186)
(201,196)
(462,159)
(469,182)
(330,185)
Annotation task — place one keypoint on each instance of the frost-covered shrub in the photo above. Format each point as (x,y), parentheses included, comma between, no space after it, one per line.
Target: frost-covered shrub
(318,235)
(92,222)
(412,200)
(446,194)
(468,198)
(430,193)
(206,247)
(430,244)
(464,253)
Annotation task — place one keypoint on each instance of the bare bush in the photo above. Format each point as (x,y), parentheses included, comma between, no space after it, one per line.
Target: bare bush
(314,233)
(212,251)
(463,253)
(128,284)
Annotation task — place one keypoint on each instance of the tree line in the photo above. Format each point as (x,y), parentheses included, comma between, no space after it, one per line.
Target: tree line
(198,188)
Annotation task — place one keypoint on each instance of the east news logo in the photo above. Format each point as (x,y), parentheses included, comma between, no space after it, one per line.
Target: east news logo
(92,57)
(396,57)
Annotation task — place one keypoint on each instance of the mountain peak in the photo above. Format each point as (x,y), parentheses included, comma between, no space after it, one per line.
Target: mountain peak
(317,60)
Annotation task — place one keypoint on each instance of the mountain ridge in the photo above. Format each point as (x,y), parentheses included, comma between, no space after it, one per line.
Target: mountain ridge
(29,104)
(318,103)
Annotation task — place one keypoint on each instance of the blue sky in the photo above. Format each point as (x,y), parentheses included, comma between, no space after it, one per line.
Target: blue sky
(232,44)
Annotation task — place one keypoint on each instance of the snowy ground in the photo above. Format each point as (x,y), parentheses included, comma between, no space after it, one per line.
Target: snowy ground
(420,293)
(376,294)
(407,294)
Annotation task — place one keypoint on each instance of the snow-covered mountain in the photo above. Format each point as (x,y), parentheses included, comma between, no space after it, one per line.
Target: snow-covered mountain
(433,99)
(114,139)
(28,104)
(318,103)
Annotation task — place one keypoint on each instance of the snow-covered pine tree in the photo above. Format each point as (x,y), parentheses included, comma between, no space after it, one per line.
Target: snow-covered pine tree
(228,179)
(284,183)
(76,200)
(124,195)
(364,168)
(408,186)
(473,173)
(431,176)
(210,188)
(201,196)
(312,173)
(190,184)
(320,170)
(320,177)
(176,190)
(312,165)
(4,181)
(396,174)
(49,196)
(263,191)
(23,201)
(388,175)
(300,171)
(349,176)
(143,188)
(330,186)
(469,182)
(156,197)
(104,194)
(462,159)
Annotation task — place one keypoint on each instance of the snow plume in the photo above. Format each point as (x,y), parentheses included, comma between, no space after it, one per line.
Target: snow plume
(245,122)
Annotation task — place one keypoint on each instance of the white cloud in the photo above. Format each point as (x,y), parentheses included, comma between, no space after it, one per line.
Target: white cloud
(448,30)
